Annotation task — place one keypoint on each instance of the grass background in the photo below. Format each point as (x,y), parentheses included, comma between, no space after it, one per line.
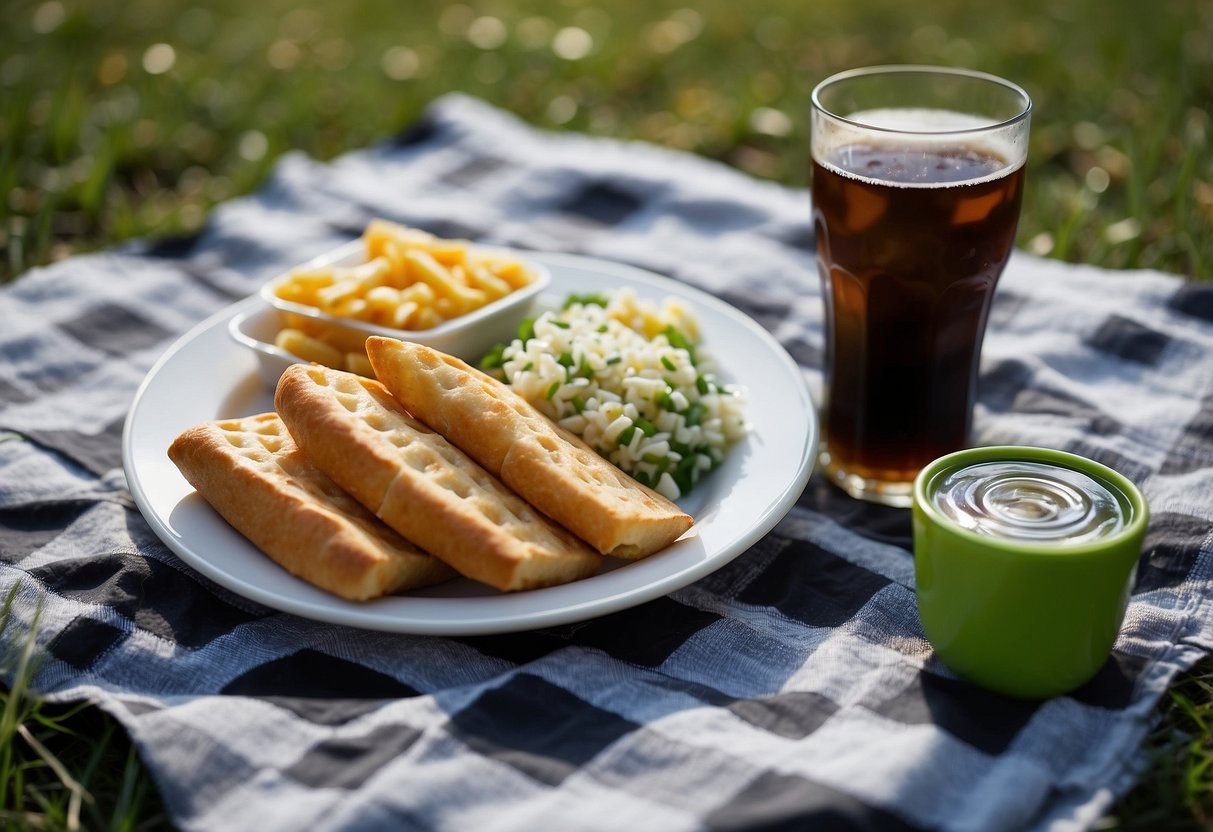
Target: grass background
(121,119)
(131,119)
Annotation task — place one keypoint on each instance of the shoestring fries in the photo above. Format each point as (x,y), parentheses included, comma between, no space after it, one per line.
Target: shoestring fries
(411,280)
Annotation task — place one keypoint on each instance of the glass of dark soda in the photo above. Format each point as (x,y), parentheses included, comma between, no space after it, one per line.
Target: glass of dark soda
(916,187)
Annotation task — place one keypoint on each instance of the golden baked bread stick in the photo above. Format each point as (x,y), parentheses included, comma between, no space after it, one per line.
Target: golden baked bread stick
(423,486)
(256,478)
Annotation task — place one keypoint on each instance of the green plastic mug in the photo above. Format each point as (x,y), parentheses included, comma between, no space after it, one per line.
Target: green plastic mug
(1018,604)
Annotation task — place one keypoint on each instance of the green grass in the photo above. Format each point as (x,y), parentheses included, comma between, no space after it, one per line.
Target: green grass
(131,119)
(63,768)
(125,119)
(1176,791)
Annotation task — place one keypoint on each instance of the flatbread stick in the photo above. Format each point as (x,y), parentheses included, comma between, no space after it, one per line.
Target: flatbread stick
(423,486)
(257,479)
(549,467)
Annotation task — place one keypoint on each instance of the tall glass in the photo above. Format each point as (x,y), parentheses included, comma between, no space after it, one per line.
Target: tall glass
(917,181)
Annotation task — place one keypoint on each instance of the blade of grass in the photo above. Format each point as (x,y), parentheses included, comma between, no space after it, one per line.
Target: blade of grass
(78,792)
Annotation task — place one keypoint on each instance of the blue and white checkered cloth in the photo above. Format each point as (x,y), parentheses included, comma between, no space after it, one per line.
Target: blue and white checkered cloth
(792,689)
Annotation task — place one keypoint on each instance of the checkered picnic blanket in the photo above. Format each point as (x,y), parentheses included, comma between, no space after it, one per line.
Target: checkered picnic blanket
(792,687)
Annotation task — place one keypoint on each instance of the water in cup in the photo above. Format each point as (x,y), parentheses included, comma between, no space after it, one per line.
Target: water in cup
(1031,501)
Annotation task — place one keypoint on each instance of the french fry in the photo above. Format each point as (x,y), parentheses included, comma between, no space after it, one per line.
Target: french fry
(382,303)
(419,293)
(357,362)
(350,307)
(427,318)
(493,287)
(372,274)
(403,315)
(331,297)
(449,252)
(309,348)
(309,280)
(338,337)
(379,233)
(511,271)
(435,275)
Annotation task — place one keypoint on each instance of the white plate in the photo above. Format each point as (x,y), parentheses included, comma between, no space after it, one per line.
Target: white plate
(206,375)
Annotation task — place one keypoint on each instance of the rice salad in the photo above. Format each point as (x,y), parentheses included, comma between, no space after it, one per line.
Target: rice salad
(631,379)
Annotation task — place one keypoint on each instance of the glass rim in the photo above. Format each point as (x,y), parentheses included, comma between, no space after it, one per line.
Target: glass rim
(923,69)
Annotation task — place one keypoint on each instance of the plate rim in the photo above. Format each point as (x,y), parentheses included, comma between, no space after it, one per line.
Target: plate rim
(367,617)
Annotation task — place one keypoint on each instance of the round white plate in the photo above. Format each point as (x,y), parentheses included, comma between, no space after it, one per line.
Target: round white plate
(206,375)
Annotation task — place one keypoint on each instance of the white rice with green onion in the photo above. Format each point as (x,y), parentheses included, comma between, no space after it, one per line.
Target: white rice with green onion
(651,405)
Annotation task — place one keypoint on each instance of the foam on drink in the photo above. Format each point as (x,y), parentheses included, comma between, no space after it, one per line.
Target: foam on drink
(916,130)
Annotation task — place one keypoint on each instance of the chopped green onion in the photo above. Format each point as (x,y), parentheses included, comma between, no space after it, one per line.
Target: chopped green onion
(667,363)
(701,384)
(526,330)
(556,322)
(614,359)
(592,299)
(679,340)
(494,358)
(552,390)
(694,414)
(684,474)
(578,403)
(625,437)
(646,427)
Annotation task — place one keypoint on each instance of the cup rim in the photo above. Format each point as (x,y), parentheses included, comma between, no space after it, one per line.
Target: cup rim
(922,69)
(1134,528)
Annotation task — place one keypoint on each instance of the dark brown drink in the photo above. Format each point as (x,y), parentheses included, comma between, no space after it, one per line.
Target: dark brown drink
(909,248)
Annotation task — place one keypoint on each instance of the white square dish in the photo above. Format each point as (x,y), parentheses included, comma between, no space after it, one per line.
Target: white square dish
(468,336)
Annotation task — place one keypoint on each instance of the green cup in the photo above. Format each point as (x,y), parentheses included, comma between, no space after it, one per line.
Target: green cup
(1020,591)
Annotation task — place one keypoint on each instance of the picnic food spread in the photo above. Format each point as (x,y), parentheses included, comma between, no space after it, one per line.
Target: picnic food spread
(218,648)
(352,431)
(376,479)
